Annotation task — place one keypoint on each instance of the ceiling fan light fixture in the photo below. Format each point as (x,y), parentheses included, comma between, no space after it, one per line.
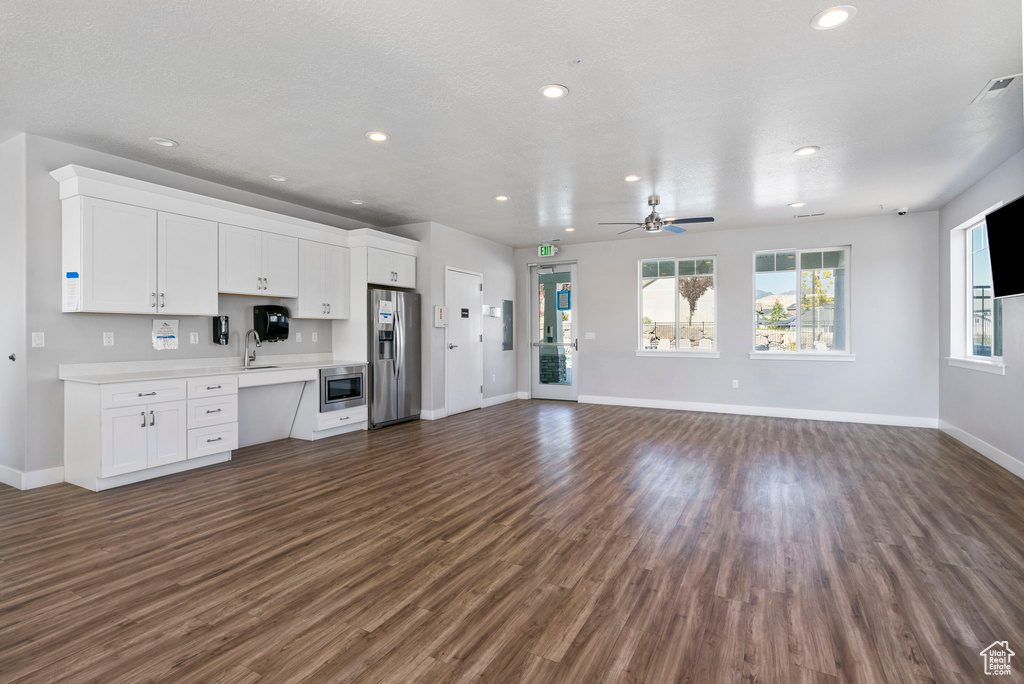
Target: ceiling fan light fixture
(833,17)
(554,91)
(806,151)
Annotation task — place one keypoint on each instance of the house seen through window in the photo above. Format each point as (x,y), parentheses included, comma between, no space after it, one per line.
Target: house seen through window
(677,304)
(800,300)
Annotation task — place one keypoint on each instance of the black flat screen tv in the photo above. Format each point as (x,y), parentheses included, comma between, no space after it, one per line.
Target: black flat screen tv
(1005,235)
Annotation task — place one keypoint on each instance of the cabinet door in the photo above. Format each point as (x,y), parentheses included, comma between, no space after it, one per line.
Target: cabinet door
(118,257)
(405,270)
(312,278)
(168,433)
(241,260)
(337,282)
(378,267)
(186,266)
(124,440)
(280,265)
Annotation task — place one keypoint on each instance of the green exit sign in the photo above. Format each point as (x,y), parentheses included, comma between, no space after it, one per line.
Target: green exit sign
(546,250)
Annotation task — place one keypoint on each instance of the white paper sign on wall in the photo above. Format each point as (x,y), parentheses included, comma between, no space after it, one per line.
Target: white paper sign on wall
(165,334)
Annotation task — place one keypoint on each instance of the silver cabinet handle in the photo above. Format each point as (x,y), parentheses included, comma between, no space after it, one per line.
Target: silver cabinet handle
(147,394)
(213,387)
(143,419)
(152,419)
(328,308)
(259,283)
(265,284)
(452,346)
(161,300)
(344,418)
(214,410)
(214,440)
(323,308)
(152,299)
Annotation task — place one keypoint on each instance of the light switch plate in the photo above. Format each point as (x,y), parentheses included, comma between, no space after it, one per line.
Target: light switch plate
(193,338)
(298,337)
(590,336)
(108,339)
(313,337)
(38,339)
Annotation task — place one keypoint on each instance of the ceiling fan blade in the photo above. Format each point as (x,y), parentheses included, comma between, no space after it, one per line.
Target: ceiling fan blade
(700,219)
(630,223)
(628,230)
(673,229)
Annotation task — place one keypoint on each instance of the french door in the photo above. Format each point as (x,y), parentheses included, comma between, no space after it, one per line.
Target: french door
(555,365)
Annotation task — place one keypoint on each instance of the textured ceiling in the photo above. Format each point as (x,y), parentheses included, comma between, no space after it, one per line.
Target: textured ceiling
(704,99)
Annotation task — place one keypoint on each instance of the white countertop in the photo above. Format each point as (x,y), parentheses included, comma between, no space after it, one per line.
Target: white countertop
(108,373)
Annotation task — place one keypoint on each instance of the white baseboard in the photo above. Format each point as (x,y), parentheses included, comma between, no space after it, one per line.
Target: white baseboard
(522,395)
(436,414)
(12,477)
(500,399)
(994,454)
(31,479)
(769,411)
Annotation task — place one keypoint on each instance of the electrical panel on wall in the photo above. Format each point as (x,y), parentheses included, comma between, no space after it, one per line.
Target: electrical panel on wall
(440,316)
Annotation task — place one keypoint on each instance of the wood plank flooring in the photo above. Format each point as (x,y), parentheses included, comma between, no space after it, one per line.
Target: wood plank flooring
(529,542)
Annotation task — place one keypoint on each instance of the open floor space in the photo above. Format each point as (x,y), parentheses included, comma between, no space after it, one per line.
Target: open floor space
(532,541)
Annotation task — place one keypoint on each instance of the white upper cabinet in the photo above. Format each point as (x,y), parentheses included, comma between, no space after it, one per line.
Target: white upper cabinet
(186,266)
(254,262)
(323,281)
(110,249)
(384,267)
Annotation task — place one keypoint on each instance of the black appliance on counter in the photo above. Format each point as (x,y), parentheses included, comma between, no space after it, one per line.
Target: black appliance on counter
(270,322)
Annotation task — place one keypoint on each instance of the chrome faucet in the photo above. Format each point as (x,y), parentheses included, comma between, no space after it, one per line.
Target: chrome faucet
(249,358)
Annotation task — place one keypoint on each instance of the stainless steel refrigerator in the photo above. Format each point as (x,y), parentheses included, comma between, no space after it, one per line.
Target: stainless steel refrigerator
(394,354)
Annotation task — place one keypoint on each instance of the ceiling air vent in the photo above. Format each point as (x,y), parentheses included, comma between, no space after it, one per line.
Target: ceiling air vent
(995,88)
(808,215)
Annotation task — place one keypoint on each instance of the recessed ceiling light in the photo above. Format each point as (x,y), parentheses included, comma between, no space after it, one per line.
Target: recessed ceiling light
(501,198)
(569,229)
(279,179)
(164,142)
(797,205)
(554,91)
(631,178)
(377,136)
(357,201)
(833,17)
(805,151)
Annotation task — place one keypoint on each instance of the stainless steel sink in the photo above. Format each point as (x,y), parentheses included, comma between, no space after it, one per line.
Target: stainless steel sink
(259,367)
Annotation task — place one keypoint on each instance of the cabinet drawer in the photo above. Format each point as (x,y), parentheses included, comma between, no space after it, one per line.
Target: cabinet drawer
(212,411)
(333,419)
(212,387)
(138,393)
(212,440)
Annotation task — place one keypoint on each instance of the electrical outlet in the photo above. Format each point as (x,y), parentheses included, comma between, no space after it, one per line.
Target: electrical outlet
(313,337)
(298,337)
(735,384)
(590,336)
(108,339)
(38,340)
(193,338)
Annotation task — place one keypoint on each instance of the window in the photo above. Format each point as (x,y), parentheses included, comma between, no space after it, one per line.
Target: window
(984,313)
(800,300)
(677,304)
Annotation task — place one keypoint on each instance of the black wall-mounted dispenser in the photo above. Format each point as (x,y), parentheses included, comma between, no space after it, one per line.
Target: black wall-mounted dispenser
(270,322)
(220,330)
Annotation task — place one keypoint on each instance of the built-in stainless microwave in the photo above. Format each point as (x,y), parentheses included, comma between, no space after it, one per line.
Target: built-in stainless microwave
(342,387)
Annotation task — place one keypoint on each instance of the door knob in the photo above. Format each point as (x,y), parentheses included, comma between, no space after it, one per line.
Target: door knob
(452,346)
(11,357)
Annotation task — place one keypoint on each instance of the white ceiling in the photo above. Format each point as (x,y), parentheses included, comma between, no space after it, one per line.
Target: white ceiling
(704,99)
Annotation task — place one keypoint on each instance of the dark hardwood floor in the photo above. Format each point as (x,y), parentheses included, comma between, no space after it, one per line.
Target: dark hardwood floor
(535,542)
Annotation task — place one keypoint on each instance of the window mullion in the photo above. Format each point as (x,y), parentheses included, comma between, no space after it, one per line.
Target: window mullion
(799,303)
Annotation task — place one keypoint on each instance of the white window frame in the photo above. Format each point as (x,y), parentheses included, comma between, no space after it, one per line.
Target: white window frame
(961,344)
(693,352)
(843,355)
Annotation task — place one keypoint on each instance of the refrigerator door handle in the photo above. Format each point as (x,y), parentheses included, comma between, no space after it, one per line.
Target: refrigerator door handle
(398,337)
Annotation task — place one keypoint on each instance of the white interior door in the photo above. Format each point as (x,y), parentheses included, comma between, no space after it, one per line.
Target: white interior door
(186,265)
(465,347)
(555,366)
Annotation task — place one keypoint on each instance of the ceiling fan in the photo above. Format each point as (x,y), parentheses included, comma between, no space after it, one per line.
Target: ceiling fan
(654,223)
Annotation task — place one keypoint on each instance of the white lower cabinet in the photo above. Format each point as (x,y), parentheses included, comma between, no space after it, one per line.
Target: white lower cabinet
(145,436)
(212,440)
(167,431)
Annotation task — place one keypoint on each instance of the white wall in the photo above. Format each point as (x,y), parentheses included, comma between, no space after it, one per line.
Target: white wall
(77,338)
(12,310)
(442,247)
(894,324)
(981,408)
